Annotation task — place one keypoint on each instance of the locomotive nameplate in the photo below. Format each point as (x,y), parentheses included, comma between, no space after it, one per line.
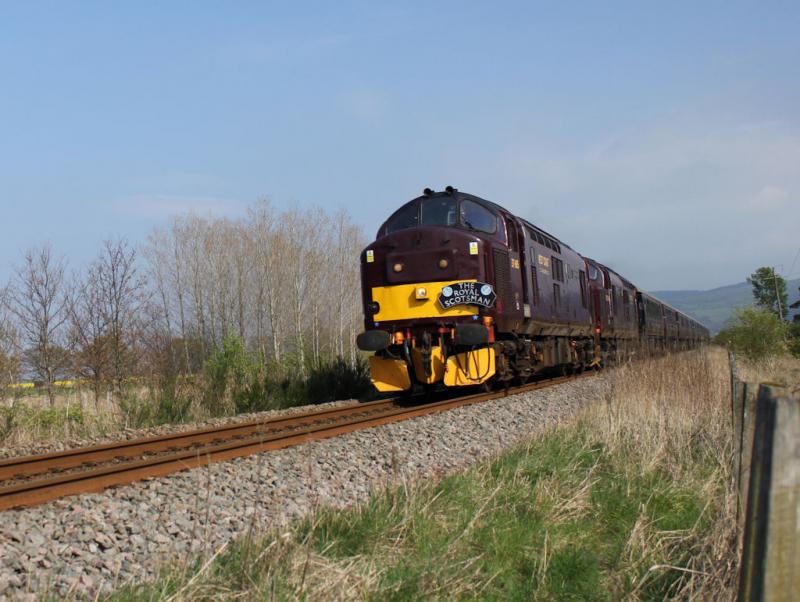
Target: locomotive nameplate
(467,293)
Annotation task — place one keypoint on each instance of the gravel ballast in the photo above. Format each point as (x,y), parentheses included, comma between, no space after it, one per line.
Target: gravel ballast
(90,543)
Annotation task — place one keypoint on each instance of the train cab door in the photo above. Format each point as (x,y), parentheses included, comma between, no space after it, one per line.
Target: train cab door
(516,289)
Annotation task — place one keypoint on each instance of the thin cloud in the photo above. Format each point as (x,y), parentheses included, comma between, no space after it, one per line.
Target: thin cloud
(158,207)
(768,199)
(368,105)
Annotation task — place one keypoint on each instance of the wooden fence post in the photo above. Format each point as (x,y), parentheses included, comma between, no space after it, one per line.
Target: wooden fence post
(749,417)
(771,556)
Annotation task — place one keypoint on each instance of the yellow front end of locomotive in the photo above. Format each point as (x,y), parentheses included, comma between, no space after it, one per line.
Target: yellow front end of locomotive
(470,368)
(415,301)
(437,365)
(388,375)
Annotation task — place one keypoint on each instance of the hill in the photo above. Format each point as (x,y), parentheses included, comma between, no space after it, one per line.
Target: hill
(714,307)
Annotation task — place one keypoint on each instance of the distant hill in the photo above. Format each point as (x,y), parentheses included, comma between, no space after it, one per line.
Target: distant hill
(714,307)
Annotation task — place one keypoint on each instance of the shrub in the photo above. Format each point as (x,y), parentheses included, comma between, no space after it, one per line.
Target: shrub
(794,338)
(163,405)
(57,417)
(754,333)
(231,373)
(338,380)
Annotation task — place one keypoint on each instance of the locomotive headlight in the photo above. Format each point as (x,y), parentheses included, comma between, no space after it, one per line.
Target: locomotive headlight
(398,267)
(443,263)
(421,293)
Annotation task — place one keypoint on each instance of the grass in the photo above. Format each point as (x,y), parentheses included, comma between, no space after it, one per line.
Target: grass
(225,389)
(630,500)
(783,370)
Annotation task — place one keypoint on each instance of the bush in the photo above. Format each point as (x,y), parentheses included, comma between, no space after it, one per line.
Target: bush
(240,382)
(338,380)
(756,334)
(231,373)
(794,338)
(163,405)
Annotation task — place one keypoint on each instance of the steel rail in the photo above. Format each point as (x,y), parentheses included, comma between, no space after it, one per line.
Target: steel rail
(42,490)
(71,458)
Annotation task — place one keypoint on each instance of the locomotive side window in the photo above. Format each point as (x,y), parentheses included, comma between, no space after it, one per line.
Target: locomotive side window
(513,241)
(582,278)
(558,268)
(614,299)
(438,212)
(407,217)
(535,282)
(594,274)
(626,303)
(477,217)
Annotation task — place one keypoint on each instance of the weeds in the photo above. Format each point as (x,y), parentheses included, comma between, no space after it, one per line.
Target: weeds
(233,381)
(630,500)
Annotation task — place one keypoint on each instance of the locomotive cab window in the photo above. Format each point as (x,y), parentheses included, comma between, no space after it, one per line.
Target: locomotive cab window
(438,212)
(477,217)
(407,217)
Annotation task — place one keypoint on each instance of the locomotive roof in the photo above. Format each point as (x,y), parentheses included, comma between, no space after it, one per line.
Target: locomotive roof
(489,205)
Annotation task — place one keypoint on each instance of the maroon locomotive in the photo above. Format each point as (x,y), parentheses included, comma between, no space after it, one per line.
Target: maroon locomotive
(458,291)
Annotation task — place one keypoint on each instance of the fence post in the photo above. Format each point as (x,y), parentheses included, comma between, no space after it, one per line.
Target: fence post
(771,556)
(749,417)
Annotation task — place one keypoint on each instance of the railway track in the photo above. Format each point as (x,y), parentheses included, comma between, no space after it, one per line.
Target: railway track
(32,480)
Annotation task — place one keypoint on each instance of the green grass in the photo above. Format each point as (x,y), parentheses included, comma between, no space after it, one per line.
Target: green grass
(552,521)
(631,500)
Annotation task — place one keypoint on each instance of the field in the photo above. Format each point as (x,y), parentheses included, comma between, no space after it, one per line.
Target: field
(630,499)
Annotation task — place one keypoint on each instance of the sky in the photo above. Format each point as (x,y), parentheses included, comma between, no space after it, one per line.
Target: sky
(660,138)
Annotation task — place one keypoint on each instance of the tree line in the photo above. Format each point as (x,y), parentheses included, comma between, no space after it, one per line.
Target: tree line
(284,283)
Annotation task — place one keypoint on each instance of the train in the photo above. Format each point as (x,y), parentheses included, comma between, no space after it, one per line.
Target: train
(457,292)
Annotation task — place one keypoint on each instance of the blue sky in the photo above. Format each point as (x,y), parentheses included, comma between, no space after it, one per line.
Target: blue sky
(661,138)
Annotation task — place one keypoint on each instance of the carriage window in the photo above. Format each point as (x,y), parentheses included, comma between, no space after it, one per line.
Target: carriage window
(477,217)
(438,212)
(407,217)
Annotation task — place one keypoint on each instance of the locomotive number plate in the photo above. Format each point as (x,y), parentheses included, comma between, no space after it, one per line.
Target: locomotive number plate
(467,293)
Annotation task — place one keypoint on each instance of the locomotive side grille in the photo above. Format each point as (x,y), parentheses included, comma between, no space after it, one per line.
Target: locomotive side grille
(502,277)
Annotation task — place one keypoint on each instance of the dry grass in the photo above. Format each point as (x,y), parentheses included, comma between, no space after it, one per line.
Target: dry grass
(783,370)
(630,501)
(673,415)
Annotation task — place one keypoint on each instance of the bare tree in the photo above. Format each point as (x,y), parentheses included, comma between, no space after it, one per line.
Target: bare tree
(121,292)
(88,332)
(36,299)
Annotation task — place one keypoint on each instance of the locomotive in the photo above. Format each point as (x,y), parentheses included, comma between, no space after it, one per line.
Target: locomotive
(458,291)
